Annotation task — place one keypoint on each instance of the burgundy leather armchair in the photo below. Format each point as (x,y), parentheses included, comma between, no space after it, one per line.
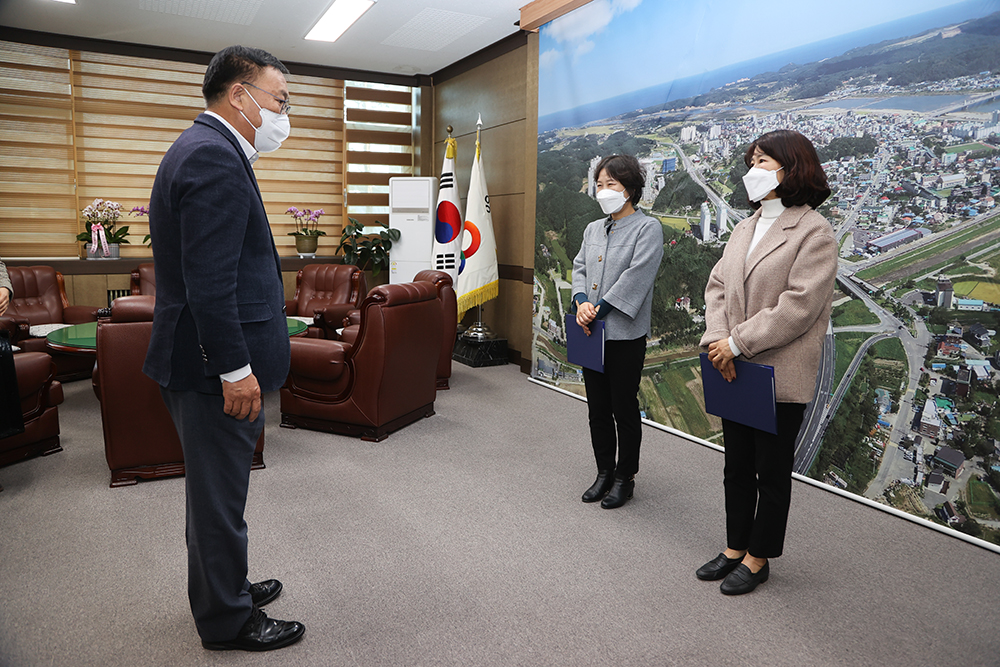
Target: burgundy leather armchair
(140,440)
(142,280)
(40,395)
(40,298)
(383,381)
(449,321)
(326,292)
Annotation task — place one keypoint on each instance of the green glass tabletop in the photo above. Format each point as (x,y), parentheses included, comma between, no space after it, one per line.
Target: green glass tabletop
(83,337)
(79,336)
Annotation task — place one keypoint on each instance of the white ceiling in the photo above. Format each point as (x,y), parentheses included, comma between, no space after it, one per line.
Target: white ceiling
(396,36)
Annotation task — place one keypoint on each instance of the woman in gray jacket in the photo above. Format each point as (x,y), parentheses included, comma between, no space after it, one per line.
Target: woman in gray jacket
(613,278)
(768,301)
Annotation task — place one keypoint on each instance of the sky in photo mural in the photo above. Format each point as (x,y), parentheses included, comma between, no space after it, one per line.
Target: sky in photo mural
(902,100)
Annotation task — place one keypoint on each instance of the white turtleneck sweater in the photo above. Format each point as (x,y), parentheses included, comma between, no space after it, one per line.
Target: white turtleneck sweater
(770,209)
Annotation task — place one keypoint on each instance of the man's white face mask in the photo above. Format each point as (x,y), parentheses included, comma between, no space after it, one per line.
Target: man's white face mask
(274,129)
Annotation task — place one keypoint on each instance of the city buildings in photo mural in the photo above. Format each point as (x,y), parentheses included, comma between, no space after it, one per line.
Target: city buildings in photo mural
(902,102)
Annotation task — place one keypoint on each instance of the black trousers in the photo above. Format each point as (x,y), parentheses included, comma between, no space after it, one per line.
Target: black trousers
(758,482)
(613,406)
(218,453)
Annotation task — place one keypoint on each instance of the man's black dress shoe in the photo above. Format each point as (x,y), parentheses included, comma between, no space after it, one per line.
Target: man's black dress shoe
(717,568)
(261,633)
(742,580)
(265,591)
(619,494)
(600,487)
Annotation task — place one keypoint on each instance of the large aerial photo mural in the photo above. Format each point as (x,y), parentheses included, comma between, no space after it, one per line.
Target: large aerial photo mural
(902,100)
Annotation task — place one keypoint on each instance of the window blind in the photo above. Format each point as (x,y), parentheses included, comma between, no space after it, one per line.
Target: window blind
(128,112)
(37,200)
(76,126)
(308,170)
(379,131)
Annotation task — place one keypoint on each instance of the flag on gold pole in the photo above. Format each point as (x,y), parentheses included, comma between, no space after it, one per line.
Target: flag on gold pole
(478,279)
(447,250)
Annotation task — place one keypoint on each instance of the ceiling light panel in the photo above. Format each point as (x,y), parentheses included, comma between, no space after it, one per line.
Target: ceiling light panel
(434,29)
(338,18)
(236,12)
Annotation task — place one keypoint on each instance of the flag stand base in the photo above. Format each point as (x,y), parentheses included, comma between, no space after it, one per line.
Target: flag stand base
(479,332)
(477,353)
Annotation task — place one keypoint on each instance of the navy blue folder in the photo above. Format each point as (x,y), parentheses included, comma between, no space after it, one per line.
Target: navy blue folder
(584,350)
(747,400)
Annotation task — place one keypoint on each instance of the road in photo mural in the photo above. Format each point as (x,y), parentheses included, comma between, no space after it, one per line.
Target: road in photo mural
(907,411)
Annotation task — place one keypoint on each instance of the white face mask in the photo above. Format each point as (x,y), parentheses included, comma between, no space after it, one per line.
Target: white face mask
(611,201)
(759,182)
(274,128)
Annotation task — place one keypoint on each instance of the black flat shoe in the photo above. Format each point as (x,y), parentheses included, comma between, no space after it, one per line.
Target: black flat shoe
(619,494)
(265,591)
(261,633)
(742,580)
(600,487)
(717,568)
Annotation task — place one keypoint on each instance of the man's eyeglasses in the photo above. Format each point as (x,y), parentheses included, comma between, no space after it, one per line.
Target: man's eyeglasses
(286,108)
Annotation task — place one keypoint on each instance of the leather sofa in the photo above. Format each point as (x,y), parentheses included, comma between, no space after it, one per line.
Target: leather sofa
(326,292)
(449,321)
(40,298)
(142,280)
(383,381)
(140,440)
(40,394)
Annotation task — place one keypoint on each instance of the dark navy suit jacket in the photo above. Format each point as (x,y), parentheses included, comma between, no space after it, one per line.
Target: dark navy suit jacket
(219,297)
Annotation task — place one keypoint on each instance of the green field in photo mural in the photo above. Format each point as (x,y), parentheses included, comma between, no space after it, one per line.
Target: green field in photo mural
(912,153)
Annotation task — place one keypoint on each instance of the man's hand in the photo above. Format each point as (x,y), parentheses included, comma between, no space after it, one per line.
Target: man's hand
(4,299)
(242,398)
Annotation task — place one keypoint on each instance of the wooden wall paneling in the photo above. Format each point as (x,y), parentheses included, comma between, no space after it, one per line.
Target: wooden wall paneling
(497,90)
(536,14)
(90,290)
(504,89)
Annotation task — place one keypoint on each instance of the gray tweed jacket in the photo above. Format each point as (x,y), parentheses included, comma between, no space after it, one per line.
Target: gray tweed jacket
(619,265)
(5,279)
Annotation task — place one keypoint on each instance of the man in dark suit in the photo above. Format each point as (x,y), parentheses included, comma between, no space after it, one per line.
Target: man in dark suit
(219,334)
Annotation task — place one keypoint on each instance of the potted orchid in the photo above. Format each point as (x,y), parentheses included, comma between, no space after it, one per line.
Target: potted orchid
(306,230)
(102,235)
(139,211)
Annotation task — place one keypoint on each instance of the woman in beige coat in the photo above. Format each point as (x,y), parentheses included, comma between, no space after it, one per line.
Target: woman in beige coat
(768,301)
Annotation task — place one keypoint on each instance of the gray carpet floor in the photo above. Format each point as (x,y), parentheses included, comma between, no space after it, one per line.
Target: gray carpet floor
(461,540)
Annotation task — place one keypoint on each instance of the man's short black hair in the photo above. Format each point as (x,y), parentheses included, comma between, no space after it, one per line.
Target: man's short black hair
(626,170)
(234,64)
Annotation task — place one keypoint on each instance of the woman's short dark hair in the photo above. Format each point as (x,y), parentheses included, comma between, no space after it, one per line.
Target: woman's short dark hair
(234,64)
(804,181)
(626,170)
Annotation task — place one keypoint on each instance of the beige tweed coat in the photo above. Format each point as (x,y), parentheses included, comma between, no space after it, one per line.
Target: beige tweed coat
(776,302)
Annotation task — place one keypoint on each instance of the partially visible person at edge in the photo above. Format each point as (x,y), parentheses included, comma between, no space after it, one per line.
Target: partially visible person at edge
(613,278)
(768,301)
(5,294)
(219,335)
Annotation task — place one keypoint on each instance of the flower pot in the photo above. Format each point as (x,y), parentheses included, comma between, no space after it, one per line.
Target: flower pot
(306,245)
(113,252)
